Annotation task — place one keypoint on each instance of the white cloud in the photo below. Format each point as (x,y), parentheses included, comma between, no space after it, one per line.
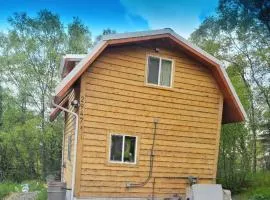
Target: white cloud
(182,16)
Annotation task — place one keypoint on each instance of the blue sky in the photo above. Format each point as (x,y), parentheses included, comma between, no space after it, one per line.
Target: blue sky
(184,16)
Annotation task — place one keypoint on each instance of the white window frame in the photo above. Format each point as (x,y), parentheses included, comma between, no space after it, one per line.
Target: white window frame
(123,147)
(159,71)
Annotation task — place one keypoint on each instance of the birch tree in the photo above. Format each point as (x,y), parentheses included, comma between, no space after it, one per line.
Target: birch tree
(239,36)
(30,54)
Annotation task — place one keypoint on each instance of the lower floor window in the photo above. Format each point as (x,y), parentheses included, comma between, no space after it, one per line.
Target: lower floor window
(123,148)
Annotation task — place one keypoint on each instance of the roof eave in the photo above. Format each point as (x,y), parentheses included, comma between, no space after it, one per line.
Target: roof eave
(69,57)
(78,70)
(55,111)
(239,105)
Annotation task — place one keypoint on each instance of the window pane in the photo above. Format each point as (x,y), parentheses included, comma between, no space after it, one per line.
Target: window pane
(165,74)
(153,68)
(116,148)
(130,149)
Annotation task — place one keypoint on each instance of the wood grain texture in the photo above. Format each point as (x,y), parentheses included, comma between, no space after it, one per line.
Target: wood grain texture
(81,113)
(218,138)
(68,131)
(117,100)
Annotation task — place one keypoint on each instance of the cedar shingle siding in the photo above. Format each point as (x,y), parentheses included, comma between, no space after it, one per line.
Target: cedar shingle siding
(115,99)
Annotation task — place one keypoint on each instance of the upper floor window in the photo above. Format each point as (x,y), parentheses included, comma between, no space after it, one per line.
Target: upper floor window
(123,149)
(159,71)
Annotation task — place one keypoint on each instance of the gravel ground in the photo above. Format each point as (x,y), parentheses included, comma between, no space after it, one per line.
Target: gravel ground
(23,196)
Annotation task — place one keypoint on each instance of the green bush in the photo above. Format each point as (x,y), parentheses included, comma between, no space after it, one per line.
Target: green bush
(34,185)
(258,187)
(259,197)
(43,195)
(262,193)
(8,187)
(260,179)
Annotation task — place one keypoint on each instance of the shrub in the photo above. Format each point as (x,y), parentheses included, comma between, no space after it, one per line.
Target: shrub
(8,187)
(43,195)
(262,193)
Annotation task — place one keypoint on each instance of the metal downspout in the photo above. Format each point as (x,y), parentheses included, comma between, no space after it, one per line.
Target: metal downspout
(63,154)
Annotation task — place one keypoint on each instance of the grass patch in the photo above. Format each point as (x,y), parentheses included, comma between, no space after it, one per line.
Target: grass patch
(262,193)
(258,189)
(260,179)
(7,188)
(43,195)
(34,185)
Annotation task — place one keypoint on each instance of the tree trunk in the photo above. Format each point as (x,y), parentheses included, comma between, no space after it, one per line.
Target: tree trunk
(43,147)
(1,105)
(252,123)
(254,138)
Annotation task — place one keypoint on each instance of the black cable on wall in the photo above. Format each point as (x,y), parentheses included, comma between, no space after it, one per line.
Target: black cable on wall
(151,161)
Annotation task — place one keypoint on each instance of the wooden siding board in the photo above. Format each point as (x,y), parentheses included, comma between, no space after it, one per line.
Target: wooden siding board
(117,100)
(93,148)
(183,78)
(160,143)
(81,130)
(140,87)
(161,163)
(183,72)
(168,138)
(97,157)
(194,67)
(128,195)
(139,57)
(142,174)
(125,80)
(218,136)
(149,102)
(145,119)
(181,171)
(134,122)
(172,117)
(206,103)
(97,122)
(178,82)
(157,110)
(68,131)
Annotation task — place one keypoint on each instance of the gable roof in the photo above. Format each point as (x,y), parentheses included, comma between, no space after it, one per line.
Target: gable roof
(233,110)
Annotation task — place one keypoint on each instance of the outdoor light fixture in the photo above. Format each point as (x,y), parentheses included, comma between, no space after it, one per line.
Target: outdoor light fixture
(75,103)
(157,50)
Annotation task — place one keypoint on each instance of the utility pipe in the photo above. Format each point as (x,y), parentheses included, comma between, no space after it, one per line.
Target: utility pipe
(63,159)
(75,144)
(151,162)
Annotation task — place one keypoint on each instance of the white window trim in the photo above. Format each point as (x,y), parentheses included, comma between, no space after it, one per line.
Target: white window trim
(159,71)
(123,147)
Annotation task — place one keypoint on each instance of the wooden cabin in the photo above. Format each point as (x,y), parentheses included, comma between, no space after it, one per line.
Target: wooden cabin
(150,106)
